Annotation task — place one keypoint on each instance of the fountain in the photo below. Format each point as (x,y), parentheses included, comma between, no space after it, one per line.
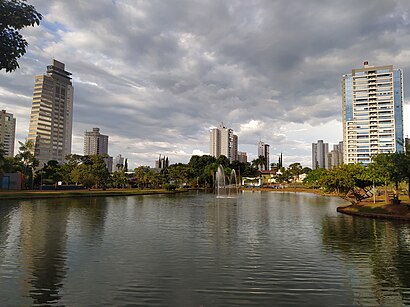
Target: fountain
(226,187)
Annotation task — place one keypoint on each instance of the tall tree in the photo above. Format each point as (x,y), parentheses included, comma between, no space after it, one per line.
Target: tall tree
(14,16)
(26,162)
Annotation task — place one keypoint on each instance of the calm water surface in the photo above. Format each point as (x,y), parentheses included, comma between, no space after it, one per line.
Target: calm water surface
(260,249)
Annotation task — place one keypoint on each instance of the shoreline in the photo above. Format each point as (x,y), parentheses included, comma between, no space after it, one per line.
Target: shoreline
(81,193)
(365,208)
(351,210)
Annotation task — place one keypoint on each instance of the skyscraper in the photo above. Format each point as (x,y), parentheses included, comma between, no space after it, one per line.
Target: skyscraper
(372,112)
(95,143)
(223,142)
(7,132)
(320,155)
(263,150)
(52,114)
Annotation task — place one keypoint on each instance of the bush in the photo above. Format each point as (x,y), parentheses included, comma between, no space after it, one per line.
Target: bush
(170,187)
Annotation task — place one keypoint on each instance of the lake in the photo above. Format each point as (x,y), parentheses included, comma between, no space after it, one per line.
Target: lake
(191,249)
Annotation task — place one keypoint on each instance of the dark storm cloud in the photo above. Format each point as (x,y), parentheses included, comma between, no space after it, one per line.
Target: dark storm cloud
(156,75)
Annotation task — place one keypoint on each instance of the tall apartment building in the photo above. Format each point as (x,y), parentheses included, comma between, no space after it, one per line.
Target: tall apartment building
(335,157)
(320,154)
(223,142)
(51,116)
(7,132)
(95,143)
(242,157)
(263,150)
(372,112)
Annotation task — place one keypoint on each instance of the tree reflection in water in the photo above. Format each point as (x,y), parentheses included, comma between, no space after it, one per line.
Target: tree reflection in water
(376,254)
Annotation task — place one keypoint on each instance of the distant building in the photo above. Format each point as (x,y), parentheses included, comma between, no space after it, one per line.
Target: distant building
(118,163)
(7,132)
(335,157)
(95,143)
(320,157)
(407,144)
(51,118)
(372,99)
(108,162)
(223,142)
(242,157)
(263,150)
(162,162)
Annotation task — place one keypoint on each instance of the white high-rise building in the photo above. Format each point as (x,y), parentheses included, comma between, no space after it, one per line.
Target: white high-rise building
(372,112)
(223,142)
(95,143)
(7,132)
(263,150)
(51,117)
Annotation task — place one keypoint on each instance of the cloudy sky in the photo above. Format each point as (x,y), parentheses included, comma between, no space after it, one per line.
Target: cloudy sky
(157,75)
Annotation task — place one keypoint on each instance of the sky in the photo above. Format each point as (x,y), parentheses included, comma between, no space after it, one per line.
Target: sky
(156,76)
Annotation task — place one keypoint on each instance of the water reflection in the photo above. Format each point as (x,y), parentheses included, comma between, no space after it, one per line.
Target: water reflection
(260,249)
(376,254)
(43,251)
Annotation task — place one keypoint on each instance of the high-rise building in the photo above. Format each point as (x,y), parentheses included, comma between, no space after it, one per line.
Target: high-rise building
(118,162)
(263,150)
(242,157)
(407,144)
(320,155)
(51,117)
(7,132)
(223,142)
(372,112)
(335,157)
(95,143)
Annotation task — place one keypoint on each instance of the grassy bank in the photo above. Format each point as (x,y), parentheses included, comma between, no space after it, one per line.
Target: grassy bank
(379,209)
(82,193)
(365,208)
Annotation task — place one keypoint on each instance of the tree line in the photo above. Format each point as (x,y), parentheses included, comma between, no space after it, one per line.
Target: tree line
(386,169)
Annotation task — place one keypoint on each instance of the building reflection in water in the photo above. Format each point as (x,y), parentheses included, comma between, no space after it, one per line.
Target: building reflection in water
(43,250)
(45,230)
(375,253)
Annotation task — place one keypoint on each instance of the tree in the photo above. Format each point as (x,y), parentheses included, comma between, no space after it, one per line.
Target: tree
(346,179)
(283,176)
(26,162)
(295,170)
(14,16)
(259,162)
(119,179)
(391,167)
(91,171)
(50,174)
(312,179)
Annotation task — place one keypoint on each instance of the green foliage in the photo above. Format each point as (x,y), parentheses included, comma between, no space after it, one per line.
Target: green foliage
(51,173)
(259,162)
(312,179)
(26,162)
(295,169)
(180,173)
(170,187)
(90,172)
(347,178)
(119,179)
(222,160)
(283,176)
(14,16)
